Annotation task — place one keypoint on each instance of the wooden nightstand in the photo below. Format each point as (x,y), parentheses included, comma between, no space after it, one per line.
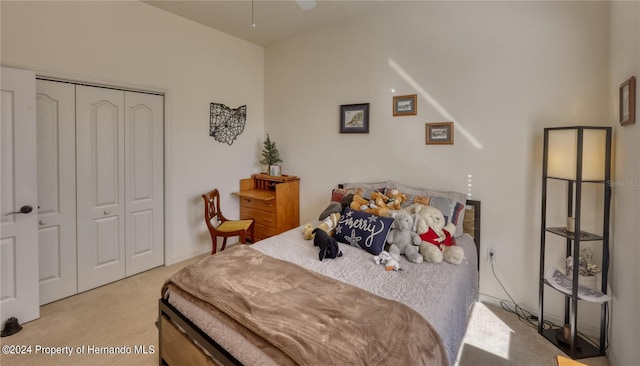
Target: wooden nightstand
(273,202)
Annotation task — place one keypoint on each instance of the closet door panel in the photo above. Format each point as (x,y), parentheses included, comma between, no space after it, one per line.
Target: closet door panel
(144,119)
(55,118)
(100,186)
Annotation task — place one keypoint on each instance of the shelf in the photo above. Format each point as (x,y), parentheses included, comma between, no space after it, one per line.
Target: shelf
(584,293)
(600,181)
(584,348)
(584,236)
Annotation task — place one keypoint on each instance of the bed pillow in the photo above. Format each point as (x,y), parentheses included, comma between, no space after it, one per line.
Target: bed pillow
(364,230)
(334,207)
(377,186)
(453,208)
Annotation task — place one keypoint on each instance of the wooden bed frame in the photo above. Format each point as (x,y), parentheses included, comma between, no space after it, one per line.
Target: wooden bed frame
(182,343)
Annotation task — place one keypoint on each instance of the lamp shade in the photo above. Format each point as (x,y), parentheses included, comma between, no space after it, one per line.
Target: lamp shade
(563,148)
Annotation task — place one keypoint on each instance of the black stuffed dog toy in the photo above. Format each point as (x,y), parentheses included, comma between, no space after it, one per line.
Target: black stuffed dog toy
(328,245)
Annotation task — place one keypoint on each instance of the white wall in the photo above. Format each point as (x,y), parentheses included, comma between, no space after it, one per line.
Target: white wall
(625,249)
(137,45)
(502,71)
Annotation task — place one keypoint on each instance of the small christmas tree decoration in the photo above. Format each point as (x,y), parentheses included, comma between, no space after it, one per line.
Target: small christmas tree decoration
(270,155)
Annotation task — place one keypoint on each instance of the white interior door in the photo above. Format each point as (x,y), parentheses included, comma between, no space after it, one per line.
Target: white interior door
(144,177)
(19,295)
(56,121)
(100,186)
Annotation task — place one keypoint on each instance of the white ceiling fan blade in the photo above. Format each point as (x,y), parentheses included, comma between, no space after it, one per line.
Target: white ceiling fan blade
(306,4)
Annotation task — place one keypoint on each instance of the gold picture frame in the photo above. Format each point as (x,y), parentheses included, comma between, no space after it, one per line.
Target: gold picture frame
(439,133)
(628,102)
(405,105)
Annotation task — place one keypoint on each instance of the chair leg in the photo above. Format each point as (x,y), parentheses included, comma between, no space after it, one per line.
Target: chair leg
(224,243)
(214,246)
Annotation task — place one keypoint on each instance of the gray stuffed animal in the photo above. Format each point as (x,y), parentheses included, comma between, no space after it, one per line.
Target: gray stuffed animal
(403,240)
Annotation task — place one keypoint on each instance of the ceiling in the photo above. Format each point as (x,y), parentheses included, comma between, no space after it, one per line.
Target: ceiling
(275,20)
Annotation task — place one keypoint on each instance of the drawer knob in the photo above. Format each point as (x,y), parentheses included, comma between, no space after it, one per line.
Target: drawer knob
(42,222)
(106,212)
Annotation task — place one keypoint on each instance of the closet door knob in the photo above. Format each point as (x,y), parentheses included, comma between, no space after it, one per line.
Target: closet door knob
(106,212)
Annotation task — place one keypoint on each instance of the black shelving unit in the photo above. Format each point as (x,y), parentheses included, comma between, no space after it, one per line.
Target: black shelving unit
(576,347)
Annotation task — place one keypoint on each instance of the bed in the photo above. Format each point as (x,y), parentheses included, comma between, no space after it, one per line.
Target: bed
(224,310)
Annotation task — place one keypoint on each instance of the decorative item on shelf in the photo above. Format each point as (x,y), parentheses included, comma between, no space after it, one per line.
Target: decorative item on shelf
(271,157)
(571,224)
(587,269)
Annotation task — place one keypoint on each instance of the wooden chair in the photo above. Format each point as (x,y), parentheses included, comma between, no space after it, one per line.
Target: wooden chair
(225,227)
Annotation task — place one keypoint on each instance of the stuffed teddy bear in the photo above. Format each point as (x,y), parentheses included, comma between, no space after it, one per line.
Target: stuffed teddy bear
(396,198)
(328,245)
(437,242)
(385,259)
(379,198)
(328,225)
(376,208)
(403,240)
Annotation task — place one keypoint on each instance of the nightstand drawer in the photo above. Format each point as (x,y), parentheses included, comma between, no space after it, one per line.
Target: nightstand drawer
(268,205)
(260,217)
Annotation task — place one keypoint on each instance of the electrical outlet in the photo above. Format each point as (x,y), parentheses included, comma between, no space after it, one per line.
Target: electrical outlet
(491,255)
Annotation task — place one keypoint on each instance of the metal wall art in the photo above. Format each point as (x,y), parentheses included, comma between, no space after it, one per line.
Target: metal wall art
(226,124)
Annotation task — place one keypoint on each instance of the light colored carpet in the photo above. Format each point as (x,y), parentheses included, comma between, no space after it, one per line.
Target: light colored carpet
(122,314)
(496,337)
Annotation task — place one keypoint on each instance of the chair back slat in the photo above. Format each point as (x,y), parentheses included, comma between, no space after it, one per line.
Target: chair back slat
(212,206)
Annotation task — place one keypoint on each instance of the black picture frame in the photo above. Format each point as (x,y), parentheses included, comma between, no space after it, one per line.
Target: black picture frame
(354,118)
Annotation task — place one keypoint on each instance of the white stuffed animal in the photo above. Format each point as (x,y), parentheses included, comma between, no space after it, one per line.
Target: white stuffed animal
(385,259)
(437,240)
(403,240)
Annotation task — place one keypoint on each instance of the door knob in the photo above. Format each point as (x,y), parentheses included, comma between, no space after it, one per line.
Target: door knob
(23,210)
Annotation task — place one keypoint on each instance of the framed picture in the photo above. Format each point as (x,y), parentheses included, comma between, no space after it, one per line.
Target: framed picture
(440,133)
(628,101)
(405,105)
(354,118)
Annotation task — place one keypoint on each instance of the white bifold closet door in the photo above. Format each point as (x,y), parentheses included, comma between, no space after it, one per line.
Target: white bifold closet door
(144,191)
(56,126)
(119,137)
(100,186)
(100,170)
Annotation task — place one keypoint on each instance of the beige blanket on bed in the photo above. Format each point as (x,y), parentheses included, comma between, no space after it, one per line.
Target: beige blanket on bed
(311,318)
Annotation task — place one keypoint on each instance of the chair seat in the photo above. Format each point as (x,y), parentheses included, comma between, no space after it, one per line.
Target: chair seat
(234,225)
